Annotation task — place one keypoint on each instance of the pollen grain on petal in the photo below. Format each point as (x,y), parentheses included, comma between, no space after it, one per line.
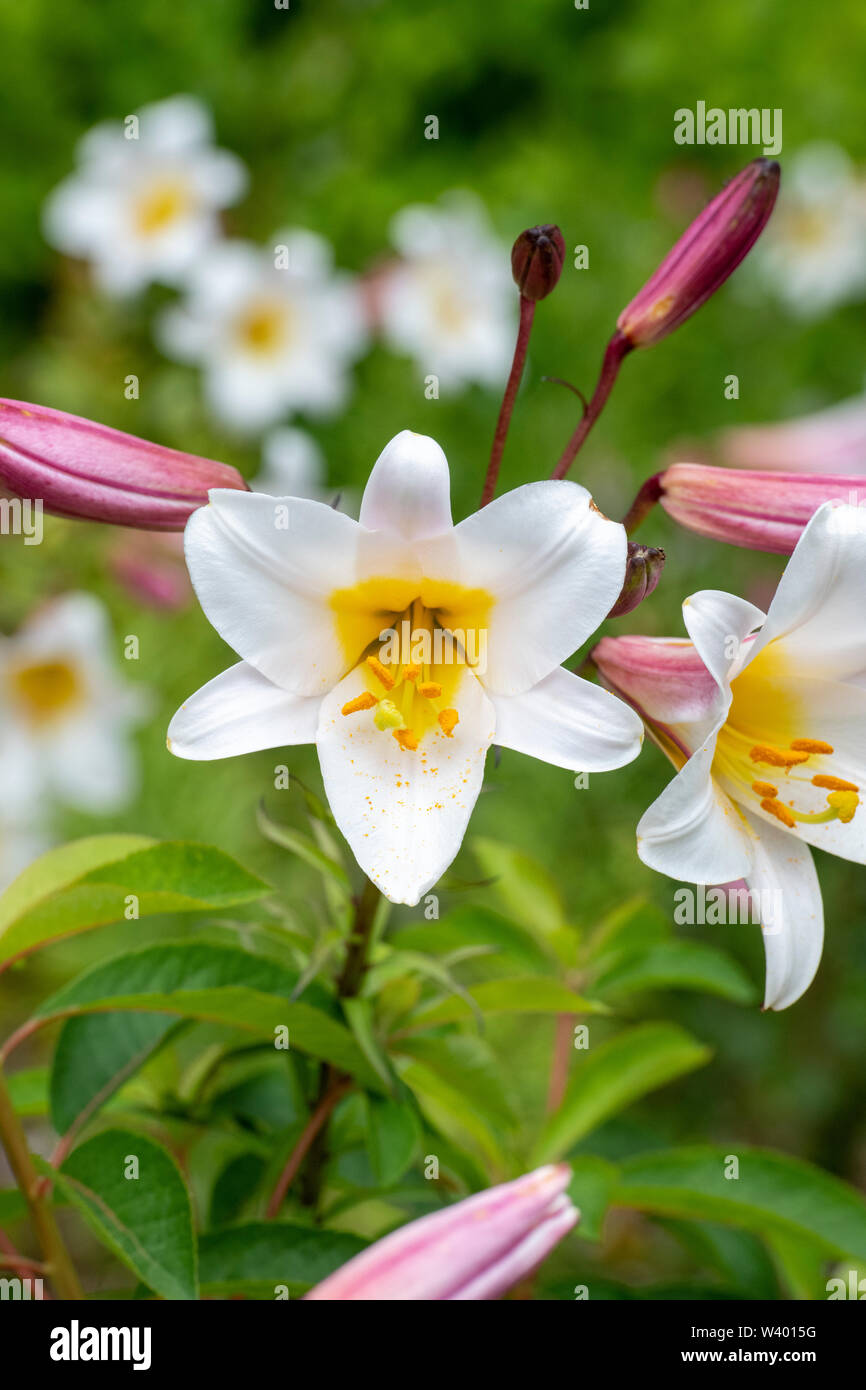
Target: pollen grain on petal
(366,700)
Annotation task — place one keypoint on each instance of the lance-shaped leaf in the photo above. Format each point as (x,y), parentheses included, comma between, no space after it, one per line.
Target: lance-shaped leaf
(259,1258)
(104,878)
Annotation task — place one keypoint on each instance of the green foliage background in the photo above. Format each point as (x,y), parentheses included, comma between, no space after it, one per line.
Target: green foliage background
(550,114)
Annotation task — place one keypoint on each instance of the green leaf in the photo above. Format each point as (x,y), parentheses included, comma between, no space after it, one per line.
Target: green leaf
(258,1258)
(393,1132)
(90,883)
(530,994)
(633,924)
(219,983)
(145,1220)
(359,1015)
(304,848)
(609,1077)
(458,1086)
(28,1091)
(476,926)
(675,965)
(95,1055)
(592,1182)
(527,890)
(773,1193)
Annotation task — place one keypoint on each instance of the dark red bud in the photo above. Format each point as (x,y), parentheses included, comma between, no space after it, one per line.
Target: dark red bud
(537,257)
(643,571)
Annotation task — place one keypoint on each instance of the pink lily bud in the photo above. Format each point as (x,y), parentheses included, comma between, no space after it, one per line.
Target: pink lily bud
(705,255)
(81,469)
(476,1249)
(762,511)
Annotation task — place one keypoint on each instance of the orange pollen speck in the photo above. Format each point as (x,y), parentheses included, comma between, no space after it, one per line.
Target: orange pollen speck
(765,789)
(430,689)
(811,745)
(781,812)
(381,672)
(834,784)
(448,719)
(776,757)
(365,701)
(406,739)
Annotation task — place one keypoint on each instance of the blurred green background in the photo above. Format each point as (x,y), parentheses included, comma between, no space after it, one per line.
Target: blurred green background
(549,114)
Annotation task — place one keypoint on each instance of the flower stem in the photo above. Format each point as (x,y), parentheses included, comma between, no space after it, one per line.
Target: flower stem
(58,1263)
(615,351)
(643,504)
(527,314)
(559,1061)
(312,1145)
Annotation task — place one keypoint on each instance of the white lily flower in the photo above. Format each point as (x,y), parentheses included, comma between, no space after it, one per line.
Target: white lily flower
(765,718)
(403,645)
(450,302)
(814,251)
(274,329)
(144,202)
(66,713)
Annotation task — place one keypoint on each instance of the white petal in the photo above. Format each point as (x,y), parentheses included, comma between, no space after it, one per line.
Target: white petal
(817,611)
(569,722)
(92,764)
(241,711)
(409,489)
(265,569)
(718,623)
(794,938)
(693,831)
(551,563)
(403,813)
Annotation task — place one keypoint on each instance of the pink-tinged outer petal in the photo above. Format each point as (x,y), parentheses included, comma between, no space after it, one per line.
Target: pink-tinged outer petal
(82,469)
(832,441)
(663,678)
(761,511)
(705,255)
(481,1242)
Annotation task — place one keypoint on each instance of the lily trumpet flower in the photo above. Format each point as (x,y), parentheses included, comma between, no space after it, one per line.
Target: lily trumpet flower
(828,441)
(476,1249)
(763,511)
(78,468)
(403,645)
(764,719)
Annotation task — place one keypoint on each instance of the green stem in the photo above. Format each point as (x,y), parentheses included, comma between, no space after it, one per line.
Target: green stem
(57,1260)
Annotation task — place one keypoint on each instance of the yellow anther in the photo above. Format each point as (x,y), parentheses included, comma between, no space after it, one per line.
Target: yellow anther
(844,804)
(765,789)
(811,745)
(411,672)
(781,812)
(448,719)
(388,716)
(406,739)
(834,784)
(381,672)
(776,757)
(365,701)
(430,689)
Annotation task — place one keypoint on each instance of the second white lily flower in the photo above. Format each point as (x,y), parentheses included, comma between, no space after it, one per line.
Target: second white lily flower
(402,646)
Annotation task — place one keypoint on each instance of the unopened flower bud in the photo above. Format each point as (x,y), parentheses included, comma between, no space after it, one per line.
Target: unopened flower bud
(536,261)
(81,469)
(705,255)
(643,571)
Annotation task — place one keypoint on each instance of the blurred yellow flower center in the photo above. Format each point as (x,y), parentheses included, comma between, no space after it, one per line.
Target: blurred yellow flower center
(756,751)
(415,654)
(264,328)
(45,690)
(160,205)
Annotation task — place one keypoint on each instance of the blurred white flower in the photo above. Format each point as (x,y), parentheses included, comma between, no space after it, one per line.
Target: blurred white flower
(293,465)
(65,712)
(275,330)
(450,302)
(21,841)
(814,251)
(143,203)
